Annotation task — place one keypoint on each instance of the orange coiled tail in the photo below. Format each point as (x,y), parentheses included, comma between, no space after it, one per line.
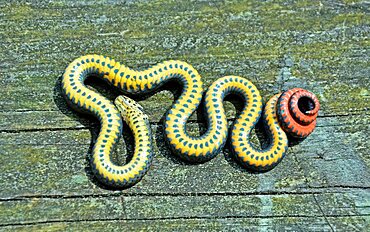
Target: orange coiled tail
(297,112)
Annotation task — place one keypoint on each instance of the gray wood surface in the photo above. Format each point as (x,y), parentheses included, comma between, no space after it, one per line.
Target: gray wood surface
(323,184)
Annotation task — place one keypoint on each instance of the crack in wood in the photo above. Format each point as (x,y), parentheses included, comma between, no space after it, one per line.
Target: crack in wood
(322,212)
(179,218)
(195,194)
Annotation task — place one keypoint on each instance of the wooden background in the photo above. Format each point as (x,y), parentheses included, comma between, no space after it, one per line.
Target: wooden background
(322,184)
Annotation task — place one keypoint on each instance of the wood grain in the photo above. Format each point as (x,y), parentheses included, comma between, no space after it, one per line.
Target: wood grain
(322,184)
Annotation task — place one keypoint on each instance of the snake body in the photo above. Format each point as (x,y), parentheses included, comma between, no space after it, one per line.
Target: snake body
(191,148)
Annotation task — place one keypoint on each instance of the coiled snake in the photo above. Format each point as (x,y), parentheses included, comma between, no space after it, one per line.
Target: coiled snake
(297,113)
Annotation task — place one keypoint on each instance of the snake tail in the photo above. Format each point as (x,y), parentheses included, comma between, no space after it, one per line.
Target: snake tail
(298,110)
(292,113)
(251,157)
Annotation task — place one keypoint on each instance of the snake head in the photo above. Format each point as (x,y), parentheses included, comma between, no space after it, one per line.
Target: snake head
(128,107)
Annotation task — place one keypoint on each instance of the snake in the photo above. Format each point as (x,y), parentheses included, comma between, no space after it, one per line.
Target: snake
(292,113)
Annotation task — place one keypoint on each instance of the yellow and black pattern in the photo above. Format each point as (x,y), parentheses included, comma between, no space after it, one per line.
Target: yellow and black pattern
(129,174)
(249,156)
(192,148)
(136,168)
(130,81)
(205,147)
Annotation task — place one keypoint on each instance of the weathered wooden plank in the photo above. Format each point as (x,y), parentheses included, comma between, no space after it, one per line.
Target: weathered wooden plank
(344,223)
(323,183)
(60,168)
(208,206)
(337,155)
(40,210)
(54,163)
(140,208)
(349,223)
(348,203)
(225,224)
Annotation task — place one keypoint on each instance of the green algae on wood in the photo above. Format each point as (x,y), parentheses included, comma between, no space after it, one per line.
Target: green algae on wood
(321,184)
